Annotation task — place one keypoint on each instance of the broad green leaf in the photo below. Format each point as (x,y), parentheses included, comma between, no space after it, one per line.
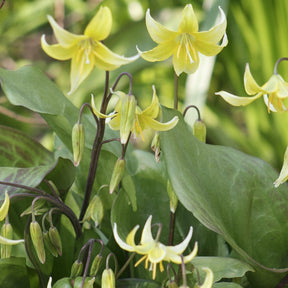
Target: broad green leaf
(222,267)
(13,273)
(232,194)
(139,283)
(226,285)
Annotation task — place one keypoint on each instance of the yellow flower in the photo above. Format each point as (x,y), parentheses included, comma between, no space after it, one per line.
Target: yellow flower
(141,119)
(154,251)
(186,43)
(208,282)
(274,91)
(87,50)
(3,213)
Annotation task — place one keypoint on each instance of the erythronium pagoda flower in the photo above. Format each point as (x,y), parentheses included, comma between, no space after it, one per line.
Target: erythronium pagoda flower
(154,251)
(274,91)
(135,121)
(3,213)
(87,50)
(186,43)
(284,171)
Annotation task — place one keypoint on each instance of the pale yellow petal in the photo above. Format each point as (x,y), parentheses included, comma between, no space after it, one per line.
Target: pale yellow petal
(57,51)
(161,52)
(208,282)
(209,48)
(120,242)
(189,22)
(283,177)
(108,60)
(157,253)
(80,69)
(185,59)
(49,285)
(180,248)
(177,259)
(152,110)
(272,85)
(282,88)
(100,26)
(96,111)
(251,86)
(114,123)
(236,100)
(64,37)
(158,32)
(146,236)
(4,207)
(216,33)
(159,126)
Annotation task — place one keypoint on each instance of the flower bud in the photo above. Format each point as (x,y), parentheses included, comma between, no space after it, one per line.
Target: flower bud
(95,265)
(117,174)
(49,245)
(4,207)
(37,240)
(108,279)
(155,146)
(128,109)
(7,232)
(88,283)
(76,269)
(199,130)
(78,142)
(172,197)
(95,211)
(55,239)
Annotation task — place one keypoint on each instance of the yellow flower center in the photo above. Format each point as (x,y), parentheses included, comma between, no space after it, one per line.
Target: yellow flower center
(85,48)
(185,46)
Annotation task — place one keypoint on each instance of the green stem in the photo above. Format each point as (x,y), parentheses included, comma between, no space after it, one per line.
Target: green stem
(125,265)
(277,63)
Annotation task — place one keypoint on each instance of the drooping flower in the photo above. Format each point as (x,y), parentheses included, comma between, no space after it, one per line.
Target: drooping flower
(141,121)
(186,43)
(87,50)
(274,91)
(154,251)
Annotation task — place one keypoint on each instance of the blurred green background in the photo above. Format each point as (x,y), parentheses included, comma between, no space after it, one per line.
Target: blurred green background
(257,33)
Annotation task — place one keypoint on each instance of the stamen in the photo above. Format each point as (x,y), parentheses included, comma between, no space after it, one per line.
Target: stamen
(141,260)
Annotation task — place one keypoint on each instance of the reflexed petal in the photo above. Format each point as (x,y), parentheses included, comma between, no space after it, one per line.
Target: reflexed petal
(114,123)
(95,110)
(4,207)
(282,88)
(272,85)
(158,32)
(49,285)
(284,171)
(130,240)
(146,236)
(215,34)
(250,84)
(152,110)
(110,60)
(57,51)
(185,61)
(208,282)
(189,23)
(119,241)
(236,100)
(159,53)
(180,248)
(6,241)
(100,26)
(209,48)
(64,37)
(80,69)
(146,122)
(176,258)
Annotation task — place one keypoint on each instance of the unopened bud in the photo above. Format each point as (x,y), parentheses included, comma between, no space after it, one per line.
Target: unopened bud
(155,146)
(78,142)
(199,130)
(117,174)
(37,240)
(88,282)
(108,279)
(76,269)
(55,239)
(49,245)
(128,109)
(95,211)
(172,197)
(4,207)
(6,232)
(95,265)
